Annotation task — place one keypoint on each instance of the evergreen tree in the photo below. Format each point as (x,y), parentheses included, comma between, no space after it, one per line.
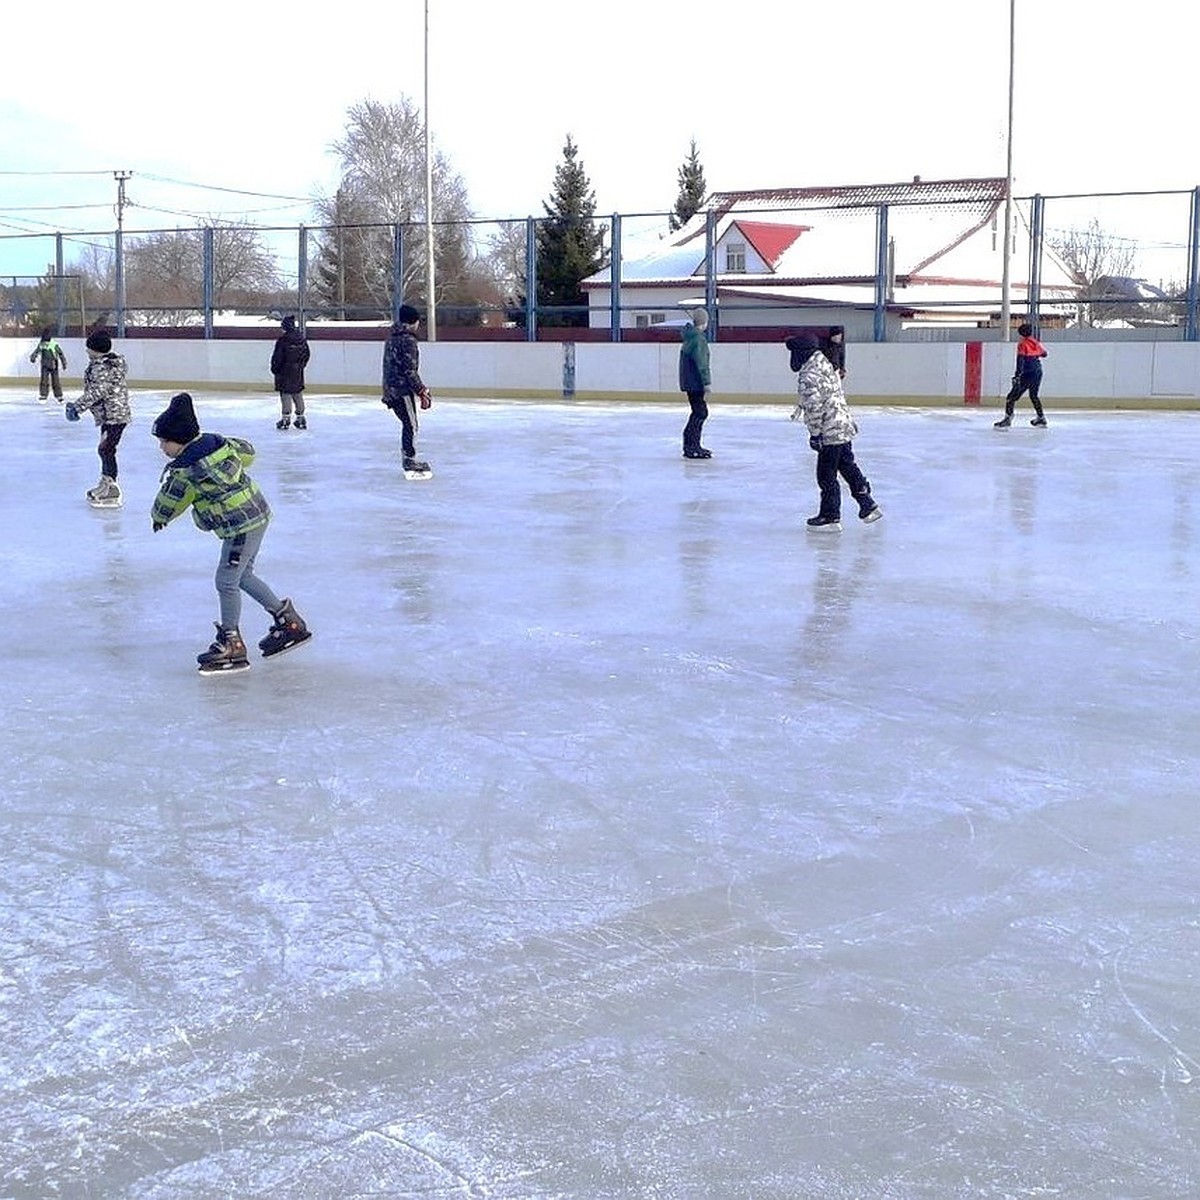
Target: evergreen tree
(692,190)
(570,246)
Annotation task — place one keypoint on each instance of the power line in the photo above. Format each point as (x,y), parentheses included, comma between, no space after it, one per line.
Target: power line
(50,207)
(175,212)
(212,187)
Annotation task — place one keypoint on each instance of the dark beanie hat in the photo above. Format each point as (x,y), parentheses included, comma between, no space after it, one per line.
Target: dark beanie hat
(288,322)
(99,341)
(178,423)
(406,314)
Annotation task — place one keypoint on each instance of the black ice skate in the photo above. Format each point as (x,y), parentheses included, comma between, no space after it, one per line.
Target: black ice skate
(227,653)
(825,524)
(1003,423)
(698,452)
(1039,422)
(284,423)
(868,510)
(301,423)
(287,632)
(414,468)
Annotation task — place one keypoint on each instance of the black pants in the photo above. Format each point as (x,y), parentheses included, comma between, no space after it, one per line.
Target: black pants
(1021,385)
(405,408)
(110,436)
(833,461)
(691,431)
(48,380)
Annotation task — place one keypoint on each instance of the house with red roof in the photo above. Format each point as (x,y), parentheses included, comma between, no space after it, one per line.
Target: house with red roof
(809,256)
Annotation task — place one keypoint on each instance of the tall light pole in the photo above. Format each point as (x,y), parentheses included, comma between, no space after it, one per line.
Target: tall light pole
(430,280)
(1006,257)
(119,248)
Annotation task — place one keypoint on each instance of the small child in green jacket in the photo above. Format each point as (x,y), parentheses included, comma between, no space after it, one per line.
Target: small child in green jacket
(206,471)
(52,357)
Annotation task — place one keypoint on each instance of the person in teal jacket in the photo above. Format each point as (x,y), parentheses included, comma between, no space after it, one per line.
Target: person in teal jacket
(207,474)
(52,357)
(695,378)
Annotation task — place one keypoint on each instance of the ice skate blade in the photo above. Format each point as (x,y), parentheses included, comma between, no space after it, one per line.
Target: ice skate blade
(418,474)
(832,527)
(105,503)
(873,515)
(290,646)
(230,669)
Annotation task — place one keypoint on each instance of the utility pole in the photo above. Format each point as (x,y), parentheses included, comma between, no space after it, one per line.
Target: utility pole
(1006,276)
(120,177)
(431,283)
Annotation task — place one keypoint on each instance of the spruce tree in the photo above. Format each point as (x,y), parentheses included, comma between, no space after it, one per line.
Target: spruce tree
(691,190)
(570,246)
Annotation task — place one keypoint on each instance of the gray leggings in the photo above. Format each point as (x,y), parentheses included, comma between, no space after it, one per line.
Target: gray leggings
(235,575)
(287,399)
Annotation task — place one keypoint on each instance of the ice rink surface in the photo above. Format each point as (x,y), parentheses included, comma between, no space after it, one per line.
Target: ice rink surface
(615,836)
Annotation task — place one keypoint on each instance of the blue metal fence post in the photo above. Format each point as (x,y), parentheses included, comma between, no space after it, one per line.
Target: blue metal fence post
(615,277)
(206,286)
(302,276)
(397,271)
(59,293)
(710,273)
(1037,233)
(1190,332)
(881,272)
(530,280)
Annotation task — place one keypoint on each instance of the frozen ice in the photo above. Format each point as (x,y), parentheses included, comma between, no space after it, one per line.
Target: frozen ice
(614,836)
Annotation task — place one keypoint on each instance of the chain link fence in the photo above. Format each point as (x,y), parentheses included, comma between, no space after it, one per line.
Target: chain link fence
(1121,265)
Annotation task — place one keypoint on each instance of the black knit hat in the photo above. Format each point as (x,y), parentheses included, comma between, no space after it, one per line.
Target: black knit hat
(178,423)
(406,315)
(288,322)
(99,341)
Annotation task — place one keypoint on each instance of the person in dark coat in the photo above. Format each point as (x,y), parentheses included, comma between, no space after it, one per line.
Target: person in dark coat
(833,346)
(695,378)
(288,360)
(404,392)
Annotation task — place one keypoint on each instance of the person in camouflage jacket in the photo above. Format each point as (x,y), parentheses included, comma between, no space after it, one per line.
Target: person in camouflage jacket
(831,430)
(207,474)
(106,397)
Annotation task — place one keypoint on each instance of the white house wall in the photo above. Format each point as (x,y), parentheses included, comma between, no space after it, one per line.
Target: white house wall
(1078,373)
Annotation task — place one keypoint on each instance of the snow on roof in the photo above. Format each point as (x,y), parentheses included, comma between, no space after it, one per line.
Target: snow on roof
(983,191)
(944,229)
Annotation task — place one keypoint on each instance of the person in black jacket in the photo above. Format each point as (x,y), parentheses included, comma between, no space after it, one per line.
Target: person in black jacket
(288,360)
(833,346)
(404,392)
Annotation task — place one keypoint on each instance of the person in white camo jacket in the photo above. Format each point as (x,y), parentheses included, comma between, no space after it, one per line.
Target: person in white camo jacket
(106,397)
(831,431)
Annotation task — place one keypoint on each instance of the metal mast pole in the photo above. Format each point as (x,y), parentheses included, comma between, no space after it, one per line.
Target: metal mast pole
(119,279)
(1006,258)
(430,286)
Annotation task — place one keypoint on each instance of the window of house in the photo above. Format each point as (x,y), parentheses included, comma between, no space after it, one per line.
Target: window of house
(735,256)
(645,320)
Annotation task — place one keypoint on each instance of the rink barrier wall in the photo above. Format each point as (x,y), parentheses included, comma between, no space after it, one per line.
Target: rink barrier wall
(1078,374)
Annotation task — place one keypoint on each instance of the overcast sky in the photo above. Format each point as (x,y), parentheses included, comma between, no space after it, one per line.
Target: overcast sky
(250,95)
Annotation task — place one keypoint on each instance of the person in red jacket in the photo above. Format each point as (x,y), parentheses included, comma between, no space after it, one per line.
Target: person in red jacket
(1028,378)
